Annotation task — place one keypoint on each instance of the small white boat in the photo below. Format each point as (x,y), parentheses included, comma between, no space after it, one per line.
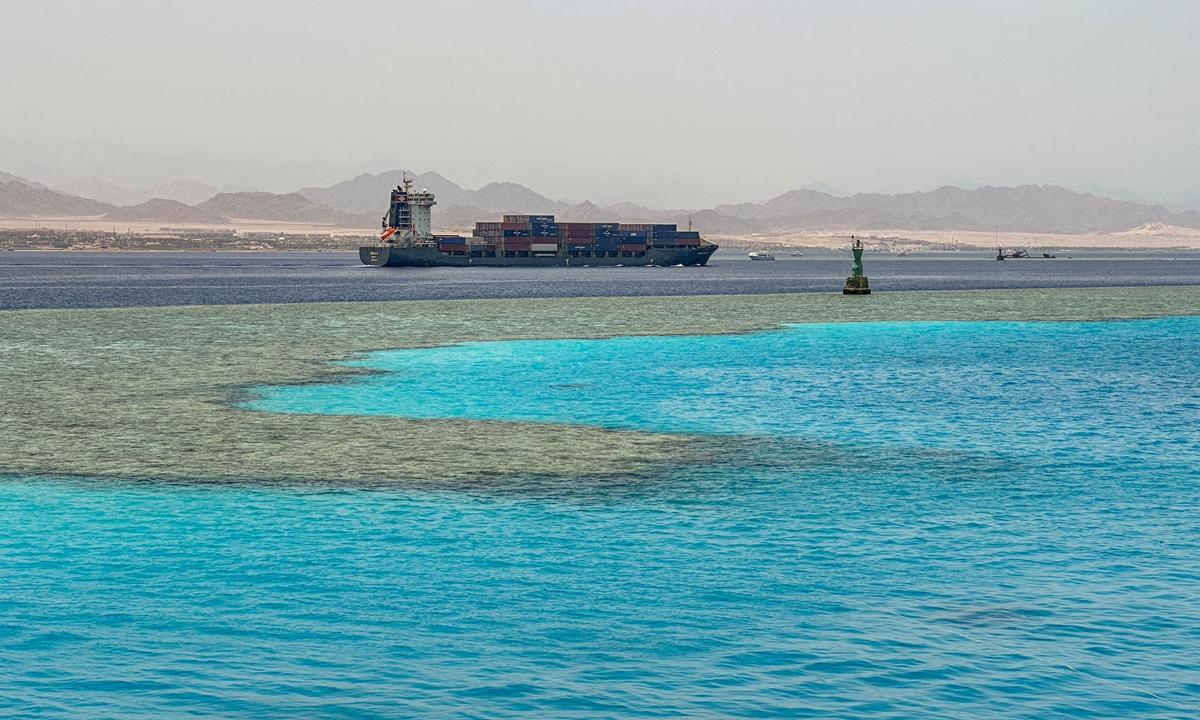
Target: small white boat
(761,256)
(797,254)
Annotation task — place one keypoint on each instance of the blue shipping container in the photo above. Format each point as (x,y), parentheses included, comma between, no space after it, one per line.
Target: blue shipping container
(638,234)
(516,233)
(541,218)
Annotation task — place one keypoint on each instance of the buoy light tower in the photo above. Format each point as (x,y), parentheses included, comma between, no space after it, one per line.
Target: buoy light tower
(856,284)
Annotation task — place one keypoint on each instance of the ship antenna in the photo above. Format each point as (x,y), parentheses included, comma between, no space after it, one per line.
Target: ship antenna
(689,222)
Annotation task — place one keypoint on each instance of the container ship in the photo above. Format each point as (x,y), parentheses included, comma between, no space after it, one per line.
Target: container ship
(525,241)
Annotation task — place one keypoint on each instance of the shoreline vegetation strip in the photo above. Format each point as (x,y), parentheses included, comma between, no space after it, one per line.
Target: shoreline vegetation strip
(149,392)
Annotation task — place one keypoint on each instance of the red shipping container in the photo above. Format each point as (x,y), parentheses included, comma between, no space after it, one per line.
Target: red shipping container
(632,248)
(688,242)
(514,226)
(516,244)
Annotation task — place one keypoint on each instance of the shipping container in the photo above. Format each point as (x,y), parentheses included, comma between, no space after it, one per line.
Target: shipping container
(541,218)
(515,233)
(523,219)
(688,242)
(640,234)
(514,226)
(543,247)
(626,247)
(688,234)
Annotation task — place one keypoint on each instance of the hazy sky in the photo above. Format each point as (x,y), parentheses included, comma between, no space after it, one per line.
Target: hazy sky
(667,103)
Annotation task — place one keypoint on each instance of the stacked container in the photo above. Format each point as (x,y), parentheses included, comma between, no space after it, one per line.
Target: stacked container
(632,240)
(607,237)
(543,232)
(526,234)
(575,237)
(662,235)
(451,243)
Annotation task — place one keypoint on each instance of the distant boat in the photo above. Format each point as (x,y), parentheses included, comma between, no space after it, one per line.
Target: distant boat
(761,256)
(797,254)
(1048,255)
(902,253)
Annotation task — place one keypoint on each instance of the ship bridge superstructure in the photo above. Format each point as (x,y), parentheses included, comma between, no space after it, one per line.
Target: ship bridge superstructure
(409,220)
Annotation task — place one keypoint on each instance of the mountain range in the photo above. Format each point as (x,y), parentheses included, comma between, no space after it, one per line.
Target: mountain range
(360,201)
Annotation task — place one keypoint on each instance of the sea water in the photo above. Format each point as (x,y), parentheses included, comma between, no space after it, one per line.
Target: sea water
(127,279)
(904,520)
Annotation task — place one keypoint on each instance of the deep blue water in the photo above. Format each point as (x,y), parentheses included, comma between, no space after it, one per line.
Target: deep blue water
(126,279)
(904,520)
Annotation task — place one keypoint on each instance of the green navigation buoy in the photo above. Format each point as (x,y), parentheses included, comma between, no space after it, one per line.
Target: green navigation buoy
(856,284)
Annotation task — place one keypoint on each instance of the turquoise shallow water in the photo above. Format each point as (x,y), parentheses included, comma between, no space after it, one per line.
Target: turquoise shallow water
(907,520)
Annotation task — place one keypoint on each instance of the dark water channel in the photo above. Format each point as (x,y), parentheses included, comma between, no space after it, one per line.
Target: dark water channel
(129,279)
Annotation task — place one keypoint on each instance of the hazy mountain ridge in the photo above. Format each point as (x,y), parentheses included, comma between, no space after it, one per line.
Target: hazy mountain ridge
(19,199)
(361,201)
(188,192)
(7,178)
(368,193)
(290,207)
(163,210)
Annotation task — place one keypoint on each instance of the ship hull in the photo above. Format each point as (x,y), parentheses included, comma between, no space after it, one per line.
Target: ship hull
(397,256)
